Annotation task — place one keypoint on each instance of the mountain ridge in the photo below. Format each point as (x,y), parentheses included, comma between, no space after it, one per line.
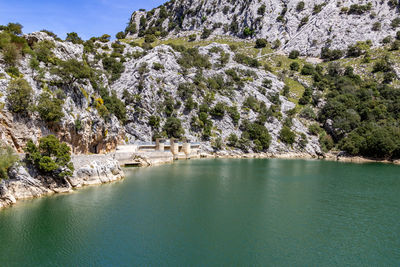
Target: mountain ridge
(308,28)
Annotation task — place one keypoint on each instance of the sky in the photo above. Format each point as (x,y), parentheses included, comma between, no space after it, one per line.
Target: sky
(86,17)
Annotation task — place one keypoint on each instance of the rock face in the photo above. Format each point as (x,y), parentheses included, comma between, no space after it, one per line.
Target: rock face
(320,23)
(150,82)
(28,184)
(95,134)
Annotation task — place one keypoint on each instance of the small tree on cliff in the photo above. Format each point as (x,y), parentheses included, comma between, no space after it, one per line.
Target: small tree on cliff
(51,157)
(7,159)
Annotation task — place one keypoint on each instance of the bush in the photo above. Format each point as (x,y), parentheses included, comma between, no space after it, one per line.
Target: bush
(307,69)
(234,114)
(287,136)
(245,60)
(114,67)
(7,159)
(50,108)
(206,33)
(51,157)
(74,38)
(218,110)
(232,140)
(261,10)
(192,58)
(295,66)
(294,54)
(20,96)
(173,128)
(300,6)
(192,37)
(258,133)
(120,35)
(154,122)
(261,43)
(10,54)
(72,71)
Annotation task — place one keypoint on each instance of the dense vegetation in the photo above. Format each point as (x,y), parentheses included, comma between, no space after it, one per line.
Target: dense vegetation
(362,116)
(51,157)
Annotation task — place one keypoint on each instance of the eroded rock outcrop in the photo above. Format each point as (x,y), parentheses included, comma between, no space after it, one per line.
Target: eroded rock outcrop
(307,28)
(24,183)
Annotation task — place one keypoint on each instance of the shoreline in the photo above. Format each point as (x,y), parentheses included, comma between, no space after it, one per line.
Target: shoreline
(293,155)
(102,169)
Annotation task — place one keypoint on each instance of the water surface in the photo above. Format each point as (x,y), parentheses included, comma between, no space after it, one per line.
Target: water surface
(215,213)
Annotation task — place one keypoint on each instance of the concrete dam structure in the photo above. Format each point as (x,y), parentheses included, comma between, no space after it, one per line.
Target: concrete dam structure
(159,152)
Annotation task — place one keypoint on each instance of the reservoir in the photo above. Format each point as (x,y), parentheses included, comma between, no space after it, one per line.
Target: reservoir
(256,212)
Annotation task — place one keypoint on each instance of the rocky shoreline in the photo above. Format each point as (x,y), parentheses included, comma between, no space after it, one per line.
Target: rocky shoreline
(89,170)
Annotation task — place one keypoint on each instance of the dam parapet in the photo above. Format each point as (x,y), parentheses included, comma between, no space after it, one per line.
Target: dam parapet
(158,152)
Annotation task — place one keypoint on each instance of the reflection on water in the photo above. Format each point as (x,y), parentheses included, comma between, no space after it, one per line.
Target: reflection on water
(215,212)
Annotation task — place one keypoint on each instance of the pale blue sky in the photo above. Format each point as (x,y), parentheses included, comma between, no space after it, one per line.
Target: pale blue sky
(86,17)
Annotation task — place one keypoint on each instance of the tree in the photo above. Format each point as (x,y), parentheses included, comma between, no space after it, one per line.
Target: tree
(120,35)
(14,28)
(149,38)
(51,157)
(10,54)
(294,54)
(74,38)
(261,43)
(287,136)
(173,127)
(7,159)
(20,96)
(50,108)
(71,71)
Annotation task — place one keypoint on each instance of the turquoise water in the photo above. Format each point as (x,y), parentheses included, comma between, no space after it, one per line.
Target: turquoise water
(215,213)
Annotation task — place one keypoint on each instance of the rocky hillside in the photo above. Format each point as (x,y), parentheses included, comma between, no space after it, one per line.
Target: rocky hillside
(96,94)
(306,26)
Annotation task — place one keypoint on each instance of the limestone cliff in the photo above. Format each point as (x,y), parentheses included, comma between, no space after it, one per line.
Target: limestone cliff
(306,26)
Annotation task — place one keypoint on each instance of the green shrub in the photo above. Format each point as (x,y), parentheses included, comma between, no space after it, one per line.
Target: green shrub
(74,38)
(7,159)
(72,71)
(10,54)
(287,136)
(154,121)
(114,105)
(43,50)
(114,67)
(307,69)
(245,60)
(261,43)
(20,96)
(232,140)
(295,66)
(294,54)
(261,10)
(218,110)
(50,108)
(51,157)
(252,103)
(192,58)
(120,35)
(234,114)
(300,6)
(206,33)
(173,127)
(258,133)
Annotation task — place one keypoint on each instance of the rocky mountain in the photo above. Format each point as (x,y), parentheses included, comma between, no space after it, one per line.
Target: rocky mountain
(126,94)
(306,26)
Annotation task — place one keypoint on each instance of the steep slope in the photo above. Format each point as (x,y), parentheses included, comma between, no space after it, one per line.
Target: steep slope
(306,26)
(209,94)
